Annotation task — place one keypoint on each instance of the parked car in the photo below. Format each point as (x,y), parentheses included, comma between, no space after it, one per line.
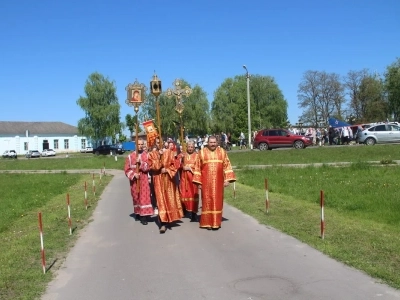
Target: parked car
(32,154)
(379,134)
(10,154)
(268,139)
(48,152)
(108,149)
(87,150)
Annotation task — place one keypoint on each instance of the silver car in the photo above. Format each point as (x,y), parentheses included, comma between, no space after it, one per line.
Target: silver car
(380,133)
(32,154)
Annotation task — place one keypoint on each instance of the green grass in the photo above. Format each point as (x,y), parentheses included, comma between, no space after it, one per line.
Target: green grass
(22,197)
(362,211)
(316,155)
(73,162)
(362,207)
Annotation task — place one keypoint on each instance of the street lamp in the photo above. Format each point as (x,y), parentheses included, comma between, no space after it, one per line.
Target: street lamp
(248,105)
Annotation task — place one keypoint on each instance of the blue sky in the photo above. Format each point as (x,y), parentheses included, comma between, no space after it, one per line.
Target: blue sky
(49,48)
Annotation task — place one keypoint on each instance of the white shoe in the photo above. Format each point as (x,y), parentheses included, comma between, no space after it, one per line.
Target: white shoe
(155,212)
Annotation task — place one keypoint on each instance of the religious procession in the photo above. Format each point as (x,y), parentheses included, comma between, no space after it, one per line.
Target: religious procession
(170,181)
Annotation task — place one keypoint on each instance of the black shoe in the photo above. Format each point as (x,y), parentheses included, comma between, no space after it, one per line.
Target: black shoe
(193,217)
(143,220)
(163,229)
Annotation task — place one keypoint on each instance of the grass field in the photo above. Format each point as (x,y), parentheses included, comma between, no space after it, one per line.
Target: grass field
(362,211)
(22,197)
(316,155)
(73,162)
(362,207)
(238,158)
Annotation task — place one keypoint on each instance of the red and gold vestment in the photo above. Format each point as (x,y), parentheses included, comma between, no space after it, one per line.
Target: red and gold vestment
(212,169)
(167,192)
(189,190)
(140,197)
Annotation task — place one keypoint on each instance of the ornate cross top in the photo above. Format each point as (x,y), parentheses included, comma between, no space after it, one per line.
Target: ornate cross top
(178,92)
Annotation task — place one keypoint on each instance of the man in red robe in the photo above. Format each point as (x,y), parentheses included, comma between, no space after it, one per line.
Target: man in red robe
(136,169)
(213,172)
(164,165)
(189,190)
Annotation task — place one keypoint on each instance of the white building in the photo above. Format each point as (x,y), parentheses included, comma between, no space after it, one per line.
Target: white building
(24,136)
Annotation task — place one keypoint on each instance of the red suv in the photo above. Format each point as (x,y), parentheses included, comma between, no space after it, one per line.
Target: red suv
(267,139)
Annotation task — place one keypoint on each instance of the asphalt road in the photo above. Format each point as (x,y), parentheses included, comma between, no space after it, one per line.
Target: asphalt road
(118,258)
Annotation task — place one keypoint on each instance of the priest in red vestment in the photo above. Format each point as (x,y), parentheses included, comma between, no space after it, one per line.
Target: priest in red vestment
(213,172)
(164,165)
(140,195)
(189,190)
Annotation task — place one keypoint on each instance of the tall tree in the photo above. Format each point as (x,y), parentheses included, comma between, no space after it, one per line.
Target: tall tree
(352,83)
(320,95)
(372,98)
(101,107)
(392,86)
(194,116)
(130,122)
(229,112)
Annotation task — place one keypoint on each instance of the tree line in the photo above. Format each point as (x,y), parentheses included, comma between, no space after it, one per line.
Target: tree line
(360,96)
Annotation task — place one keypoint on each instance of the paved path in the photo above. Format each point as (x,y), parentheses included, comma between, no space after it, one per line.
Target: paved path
(118,258)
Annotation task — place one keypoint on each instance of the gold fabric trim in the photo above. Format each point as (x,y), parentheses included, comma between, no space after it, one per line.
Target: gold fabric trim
(213,161)
(214,212)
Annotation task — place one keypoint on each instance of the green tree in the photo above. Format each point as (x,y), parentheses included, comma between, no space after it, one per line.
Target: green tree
(371,95)
(392,86)
(229,112)
(130,122)
(101,107)
(194,116)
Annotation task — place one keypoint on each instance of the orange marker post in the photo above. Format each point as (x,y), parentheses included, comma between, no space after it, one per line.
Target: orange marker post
(322,215)
(42,243)
(266,195)
(69,215)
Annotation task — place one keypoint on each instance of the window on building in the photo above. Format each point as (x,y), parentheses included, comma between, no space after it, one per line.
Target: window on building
(66,144)
(83,143)
(55,146)
(26,146)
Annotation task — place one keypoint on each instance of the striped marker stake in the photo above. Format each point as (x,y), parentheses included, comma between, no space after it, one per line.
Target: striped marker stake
(234,190)
(69,215)
(86,202)
(41,243)
(104,168)
(266,195)
(322,215)
(94,187)
(100,175)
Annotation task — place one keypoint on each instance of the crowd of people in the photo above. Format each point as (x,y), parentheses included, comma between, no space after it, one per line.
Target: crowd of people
(168,183)
(224,140)
(332,136)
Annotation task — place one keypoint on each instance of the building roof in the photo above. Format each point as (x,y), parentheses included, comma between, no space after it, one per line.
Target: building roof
(36,128)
